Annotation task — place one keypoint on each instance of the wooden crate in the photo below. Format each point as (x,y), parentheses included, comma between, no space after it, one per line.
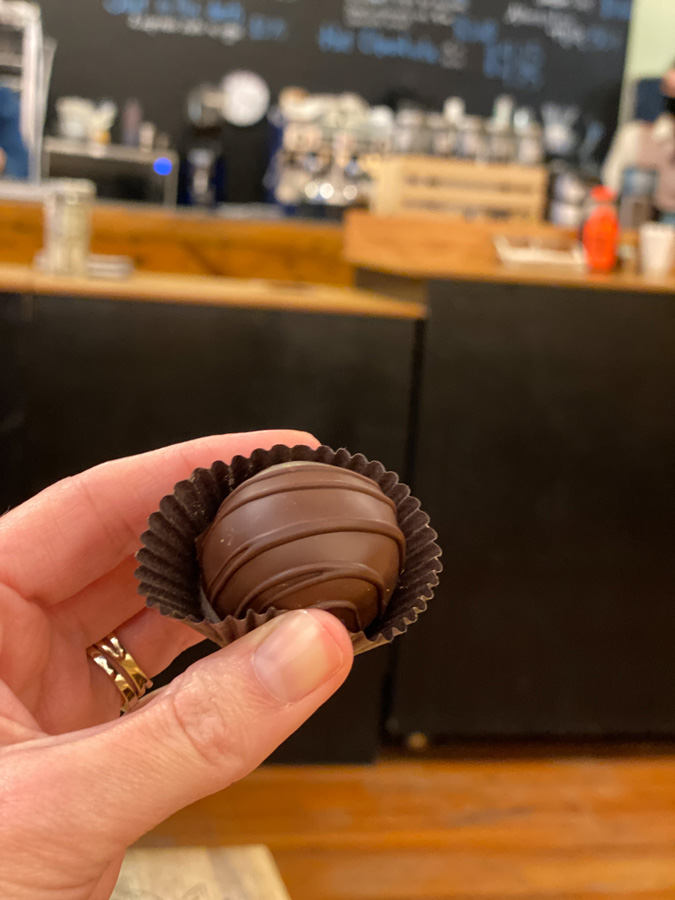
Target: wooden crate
(428,185)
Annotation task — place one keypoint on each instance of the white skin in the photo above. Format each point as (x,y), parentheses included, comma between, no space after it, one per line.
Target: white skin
(78,784)
(668,84)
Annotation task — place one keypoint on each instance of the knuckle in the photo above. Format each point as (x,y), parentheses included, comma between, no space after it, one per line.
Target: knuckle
(211,726)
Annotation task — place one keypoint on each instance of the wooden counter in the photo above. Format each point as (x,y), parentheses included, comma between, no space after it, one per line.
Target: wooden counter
(452,249)
(193,243)
(201,290)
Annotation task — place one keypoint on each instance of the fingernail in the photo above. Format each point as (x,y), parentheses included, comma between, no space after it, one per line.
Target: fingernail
(296,658)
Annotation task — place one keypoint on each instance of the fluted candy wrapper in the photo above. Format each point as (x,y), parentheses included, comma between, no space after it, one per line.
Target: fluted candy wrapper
(169,572)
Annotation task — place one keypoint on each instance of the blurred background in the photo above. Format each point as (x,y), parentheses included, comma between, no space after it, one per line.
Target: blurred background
(438,232)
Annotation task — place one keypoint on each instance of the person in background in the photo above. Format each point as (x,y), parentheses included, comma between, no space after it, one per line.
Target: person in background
(650,146)
(13,153)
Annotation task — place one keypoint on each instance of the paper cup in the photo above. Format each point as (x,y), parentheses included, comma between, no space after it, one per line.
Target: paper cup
(169,572)
(657,249)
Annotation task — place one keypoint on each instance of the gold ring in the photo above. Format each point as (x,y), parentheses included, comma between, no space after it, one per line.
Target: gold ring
(120,666)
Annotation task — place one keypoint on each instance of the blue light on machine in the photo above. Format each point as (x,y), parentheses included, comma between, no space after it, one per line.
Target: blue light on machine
(162,166)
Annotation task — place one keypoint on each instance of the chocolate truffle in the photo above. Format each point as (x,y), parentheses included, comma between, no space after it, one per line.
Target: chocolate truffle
(300,535)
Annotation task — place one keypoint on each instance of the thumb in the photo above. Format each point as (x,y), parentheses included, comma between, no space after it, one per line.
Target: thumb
(210,727)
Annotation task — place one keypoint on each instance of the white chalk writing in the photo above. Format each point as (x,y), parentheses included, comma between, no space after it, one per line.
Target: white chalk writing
(567,29)
(401,15)
(454,55)
(229,34)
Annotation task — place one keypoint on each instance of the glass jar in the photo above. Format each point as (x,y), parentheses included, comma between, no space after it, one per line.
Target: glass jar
(637,198)
(68,209)
(471,142)
(500,143)
(530,145)
(410,132)
(443,136)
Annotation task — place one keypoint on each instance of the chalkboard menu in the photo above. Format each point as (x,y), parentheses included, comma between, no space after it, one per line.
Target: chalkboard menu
(567,52)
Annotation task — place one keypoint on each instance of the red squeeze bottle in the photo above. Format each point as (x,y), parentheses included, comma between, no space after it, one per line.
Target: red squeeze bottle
(600,234)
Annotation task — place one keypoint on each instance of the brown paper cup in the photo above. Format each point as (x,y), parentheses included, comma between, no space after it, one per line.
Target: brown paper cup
(169,572)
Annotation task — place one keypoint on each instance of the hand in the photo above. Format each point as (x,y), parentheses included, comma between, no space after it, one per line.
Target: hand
(78,784)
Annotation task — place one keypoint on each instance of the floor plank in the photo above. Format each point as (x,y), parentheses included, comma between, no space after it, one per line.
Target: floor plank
(519,828)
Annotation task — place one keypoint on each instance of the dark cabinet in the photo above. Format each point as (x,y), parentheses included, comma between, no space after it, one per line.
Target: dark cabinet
(109,378)
(546,459)
(12,403)
(544,452)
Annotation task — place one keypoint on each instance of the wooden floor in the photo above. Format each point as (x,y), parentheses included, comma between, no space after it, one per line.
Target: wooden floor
(480,828)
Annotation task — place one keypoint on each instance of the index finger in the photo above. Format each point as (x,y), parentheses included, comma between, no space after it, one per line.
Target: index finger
(79,529)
